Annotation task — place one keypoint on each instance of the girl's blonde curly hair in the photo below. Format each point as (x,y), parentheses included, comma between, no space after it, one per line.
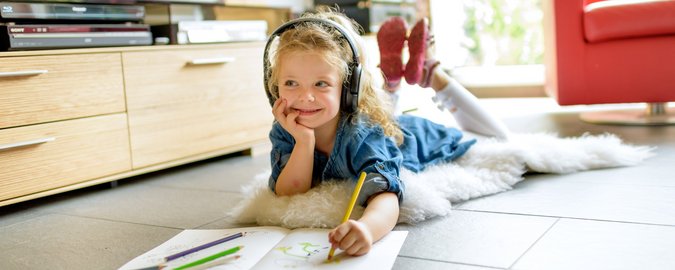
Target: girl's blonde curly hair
(329,42)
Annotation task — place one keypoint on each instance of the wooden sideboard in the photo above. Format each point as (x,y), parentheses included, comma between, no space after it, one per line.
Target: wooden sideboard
(81,117)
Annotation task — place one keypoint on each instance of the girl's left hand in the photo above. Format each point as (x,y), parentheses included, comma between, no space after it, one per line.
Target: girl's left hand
(353,237)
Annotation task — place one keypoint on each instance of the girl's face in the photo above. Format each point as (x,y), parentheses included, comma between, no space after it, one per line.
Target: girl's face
(311,87)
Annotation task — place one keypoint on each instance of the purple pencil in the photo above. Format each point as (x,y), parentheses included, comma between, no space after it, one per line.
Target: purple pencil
(204,246)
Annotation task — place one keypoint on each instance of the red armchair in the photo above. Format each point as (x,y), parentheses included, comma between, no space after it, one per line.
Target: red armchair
(619,51)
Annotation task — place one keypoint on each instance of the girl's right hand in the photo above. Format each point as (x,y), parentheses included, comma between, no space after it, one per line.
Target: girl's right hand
(288,121)
(352,236)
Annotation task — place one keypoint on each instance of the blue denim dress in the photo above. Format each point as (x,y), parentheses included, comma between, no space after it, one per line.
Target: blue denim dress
(363,146)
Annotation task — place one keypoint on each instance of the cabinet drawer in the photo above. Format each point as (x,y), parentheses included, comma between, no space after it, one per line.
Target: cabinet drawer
(72,151)
(38,89)
(178,107)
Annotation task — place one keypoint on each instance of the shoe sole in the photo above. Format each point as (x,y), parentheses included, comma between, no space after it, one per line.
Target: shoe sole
(390,40)
(417,46)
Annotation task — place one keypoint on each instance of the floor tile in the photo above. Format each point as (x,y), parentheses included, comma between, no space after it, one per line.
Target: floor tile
(228,173)
(583,244)
(568,124)
(558,195)
(68,242)
(151,205)
(655,171)
(16,213)
(482,239)
(405,263)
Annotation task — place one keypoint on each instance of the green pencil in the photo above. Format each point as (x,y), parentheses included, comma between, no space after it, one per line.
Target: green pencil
(210,258)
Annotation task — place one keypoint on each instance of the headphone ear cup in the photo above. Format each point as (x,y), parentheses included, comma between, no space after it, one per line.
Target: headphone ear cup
(355,87)
(346,97)
(350,90)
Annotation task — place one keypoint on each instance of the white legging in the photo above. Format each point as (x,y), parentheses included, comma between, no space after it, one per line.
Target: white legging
(468,112)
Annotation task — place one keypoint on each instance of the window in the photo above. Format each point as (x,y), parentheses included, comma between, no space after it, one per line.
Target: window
(496,43)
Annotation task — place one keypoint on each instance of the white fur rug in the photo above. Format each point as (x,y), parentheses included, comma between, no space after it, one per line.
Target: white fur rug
(489,167)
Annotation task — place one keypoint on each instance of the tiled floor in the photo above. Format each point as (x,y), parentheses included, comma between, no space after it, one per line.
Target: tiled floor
(621,218)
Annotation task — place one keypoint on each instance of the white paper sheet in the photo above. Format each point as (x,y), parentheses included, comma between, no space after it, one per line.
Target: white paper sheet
(270,248)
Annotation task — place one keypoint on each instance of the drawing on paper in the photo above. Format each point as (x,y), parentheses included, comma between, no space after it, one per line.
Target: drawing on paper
(302,254)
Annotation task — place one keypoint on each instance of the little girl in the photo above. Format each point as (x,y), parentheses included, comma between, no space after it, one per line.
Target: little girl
(318,137)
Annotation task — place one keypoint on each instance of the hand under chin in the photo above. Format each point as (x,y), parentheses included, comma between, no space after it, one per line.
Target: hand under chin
(306,123)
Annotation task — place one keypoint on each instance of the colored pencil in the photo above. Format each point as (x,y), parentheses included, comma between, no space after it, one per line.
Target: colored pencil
(204,246)
(352,202)
(154,267)
(210,258)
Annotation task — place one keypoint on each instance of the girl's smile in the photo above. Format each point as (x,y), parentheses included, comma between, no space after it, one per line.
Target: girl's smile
(308,112)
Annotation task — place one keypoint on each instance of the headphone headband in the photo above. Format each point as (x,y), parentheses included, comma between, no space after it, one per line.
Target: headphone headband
(351,85)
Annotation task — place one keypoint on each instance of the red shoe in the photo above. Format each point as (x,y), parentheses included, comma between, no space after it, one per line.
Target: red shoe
(417,48)
(390,39)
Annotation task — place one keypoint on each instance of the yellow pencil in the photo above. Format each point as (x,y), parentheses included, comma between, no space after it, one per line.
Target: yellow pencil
(350,207)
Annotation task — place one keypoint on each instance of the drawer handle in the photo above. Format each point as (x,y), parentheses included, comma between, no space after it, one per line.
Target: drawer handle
(25,143)
(23,73)
(211,61)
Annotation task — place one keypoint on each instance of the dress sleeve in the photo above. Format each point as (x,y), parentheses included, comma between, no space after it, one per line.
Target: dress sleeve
(282,146)
(376,154)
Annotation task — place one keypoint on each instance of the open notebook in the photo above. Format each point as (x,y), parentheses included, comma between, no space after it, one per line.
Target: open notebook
(270,248)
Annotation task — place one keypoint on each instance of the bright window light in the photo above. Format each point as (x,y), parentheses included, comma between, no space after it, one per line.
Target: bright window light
(490,42)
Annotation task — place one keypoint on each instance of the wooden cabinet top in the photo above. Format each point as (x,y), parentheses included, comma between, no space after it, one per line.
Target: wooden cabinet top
(128,49)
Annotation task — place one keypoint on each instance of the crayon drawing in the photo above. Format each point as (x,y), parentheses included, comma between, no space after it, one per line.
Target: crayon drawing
(303,254)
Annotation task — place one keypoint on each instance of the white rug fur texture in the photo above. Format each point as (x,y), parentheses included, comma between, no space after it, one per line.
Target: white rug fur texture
(489,167)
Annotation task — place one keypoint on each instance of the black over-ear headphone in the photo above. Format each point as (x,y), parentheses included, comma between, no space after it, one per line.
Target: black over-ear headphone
(351,84)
